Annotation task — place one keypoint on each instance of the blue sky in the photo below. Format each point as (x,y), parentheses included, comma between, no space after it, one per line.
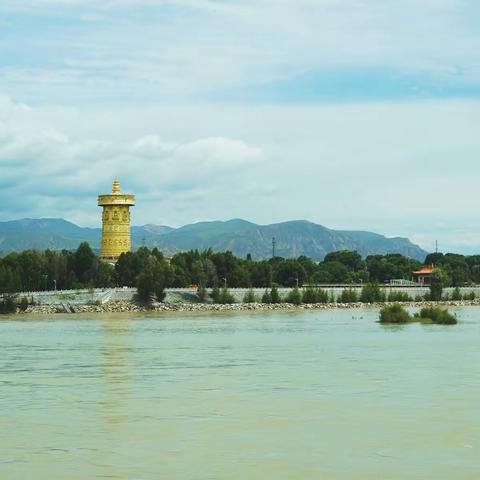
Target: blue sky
(356,114)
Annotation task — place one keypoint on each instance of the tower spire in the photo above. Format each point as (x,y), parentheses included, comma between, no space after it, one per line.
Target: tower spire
(116,186)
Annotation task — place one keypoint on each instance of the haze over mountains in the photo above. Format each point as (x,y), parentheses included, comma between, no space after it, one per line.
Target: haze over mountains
(294,238)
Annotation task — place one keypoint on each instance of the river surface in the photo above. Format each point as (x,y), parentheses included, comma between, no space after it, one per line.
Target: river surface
(303,395)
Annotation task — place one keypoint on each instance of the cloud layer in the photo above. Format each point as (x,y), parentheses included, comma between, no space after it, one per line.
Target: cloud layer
(66,50)
(353,113)
(401,169)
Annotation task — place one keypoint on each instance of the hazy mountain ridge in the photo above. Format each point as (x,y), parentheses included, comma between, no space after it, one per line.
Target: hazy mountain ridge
(293,238)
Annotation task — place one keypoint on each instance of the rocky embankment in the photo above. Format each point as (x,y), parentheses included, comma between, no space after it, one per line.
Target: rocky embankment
(114,307)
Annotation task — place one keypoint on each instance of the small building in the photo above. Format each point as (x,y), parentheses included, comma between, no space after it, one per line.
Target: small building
(424,275)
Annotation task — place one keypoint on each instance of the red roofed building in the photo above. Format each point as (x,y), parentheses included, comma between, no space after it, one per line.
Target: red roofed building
(424,276)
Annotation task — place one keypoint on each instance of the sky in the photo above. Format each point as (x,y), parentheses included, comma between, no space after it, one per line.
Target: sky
(355,114)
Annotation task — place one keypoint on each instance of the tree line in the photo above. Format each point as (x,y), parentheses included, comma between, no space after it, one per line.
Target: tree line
(148,269)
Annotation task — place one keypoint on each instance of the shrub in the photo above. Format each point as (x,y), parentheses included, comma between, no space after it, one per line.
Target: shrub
(322,296)
(226,297)
(274,295)
(456,295)
(267,297)
(395,313)
(371,293)
(8,304)
(395,296)
(215,295)
(249,297)
(23,304)
(419,298)
(202,293)
(437,315)
(470,296)
(349,295)
(295,296)
(315,295)
(310,295)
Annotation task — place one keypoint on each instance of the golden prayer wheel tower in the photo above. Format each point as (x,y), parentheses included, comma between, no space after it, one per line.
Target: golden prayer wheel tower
(115,222)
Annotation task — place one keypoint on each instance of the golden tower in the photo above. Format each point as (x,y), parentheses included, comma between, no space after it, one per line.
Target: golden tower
(115,222)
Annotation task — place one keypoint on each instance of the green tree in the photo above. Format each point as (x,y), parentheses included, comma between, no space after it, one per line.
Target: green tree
(84,261)
(145,286)
(438,281)
(349,258)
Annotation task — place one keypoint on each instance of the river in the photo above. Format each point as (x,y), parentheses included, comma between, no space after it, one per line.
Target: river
(281,395)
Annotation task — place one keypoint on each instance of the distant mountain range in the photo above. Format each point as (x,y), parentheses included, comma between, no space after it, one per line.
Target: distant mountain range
(293,238)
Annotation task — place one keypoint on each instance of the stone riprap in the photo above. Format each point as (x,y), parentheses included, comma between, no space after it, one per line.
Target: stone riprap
(123,306)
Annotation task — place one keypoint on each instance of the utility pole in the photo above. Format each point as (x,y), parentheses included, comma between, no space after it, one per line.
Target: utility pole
(274,243)
(436,246)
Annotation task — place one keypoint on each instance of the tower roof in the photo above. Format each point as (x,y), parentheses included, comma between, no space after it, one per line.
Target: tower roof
(116,197)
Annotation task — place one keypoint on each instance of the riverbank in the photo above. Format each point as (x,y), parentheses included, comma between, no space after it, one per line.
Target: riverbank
(125,306)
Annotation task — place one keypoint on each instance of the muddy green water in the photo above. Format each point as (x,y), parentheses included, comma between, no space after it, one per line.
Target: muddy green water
(308,395)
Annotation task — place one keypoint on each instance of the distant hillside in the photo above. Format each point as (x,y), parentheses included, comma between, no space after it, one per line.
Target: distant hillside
(293,238)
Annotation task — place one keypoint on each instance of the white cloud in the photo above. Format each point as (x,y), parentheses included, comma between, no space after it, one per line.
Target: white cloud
(52,173)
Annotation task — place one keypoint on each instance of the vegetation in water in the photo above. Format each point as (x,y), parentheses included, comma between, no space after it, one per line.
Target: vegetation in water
(395,313)
(436,315)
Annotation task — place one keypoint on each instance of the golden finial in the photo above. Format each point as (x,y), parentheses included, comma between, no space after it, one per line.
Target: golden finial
(116,186)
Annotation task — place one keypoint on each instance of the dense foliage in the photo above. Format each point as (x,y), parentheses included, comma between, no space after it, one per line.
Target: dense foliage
(395,313)
(151,272)
(436,315)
